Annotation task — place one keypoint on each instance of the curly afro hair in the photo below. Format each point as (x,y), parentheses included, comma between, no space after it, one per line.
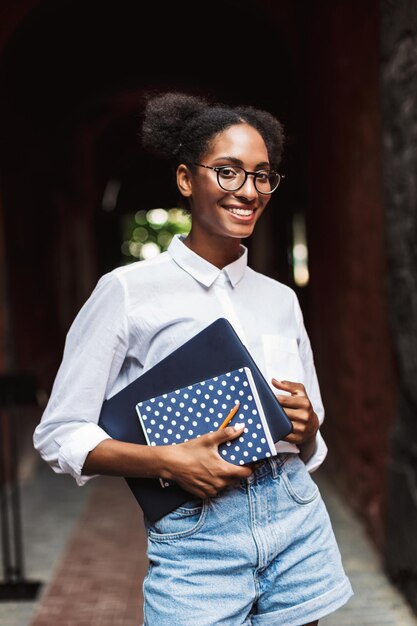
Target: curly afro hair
(179,127)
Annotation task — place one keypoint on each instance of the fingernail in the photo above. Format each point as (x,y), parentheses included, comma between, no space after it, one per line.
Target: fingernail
(238,425)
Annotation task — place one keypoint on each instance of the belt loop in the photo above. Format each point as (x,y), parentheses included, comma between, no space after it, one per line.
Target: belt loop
(273,462)
(276,463)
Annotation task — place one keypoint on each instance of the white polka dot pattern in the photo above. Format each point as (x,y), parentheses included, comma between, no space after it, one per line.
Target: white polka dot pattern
(200,408)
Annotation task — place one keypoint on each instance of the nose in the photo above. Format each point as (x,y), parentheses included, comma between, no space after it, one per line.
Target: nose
(248,190)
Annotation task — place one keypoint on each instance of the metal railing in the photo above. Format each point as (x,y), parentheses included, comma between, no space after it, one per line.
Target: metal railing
(16,391)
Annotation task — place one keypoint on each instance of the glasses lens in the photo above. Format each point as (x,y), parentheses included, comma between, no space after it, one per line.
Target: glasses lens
(267,181)
(231,178)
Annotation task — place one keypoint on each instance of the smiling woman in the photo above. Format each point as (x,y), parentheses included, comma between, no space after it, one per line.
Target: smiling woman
(280,547)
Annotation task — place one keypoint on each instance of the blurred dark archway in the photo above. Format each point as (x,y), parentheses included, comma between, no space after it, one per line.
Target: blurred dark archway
(73,75)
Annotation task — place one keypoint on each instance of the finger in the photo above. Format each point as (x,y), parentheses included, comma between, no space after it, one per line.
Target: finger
(294,402)
(290,386)
(210,488)
(281,384)
(226,434)
(209,492)
(301,430)
(297,427)
(293,415)
(303,416)
(293,438)
(240,471)
(196,490)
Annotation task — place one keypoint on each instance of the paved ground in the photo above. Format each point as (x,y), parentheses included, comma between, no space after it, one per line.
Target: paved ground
(376,602)
(68,534)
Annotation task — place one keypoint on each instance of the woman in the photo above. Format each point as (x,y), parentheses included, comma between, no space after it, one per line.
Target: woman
(254,545)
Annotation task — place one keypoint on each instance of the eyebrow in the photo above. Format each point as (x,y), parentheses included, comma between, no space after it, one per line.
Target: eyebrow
(236,161)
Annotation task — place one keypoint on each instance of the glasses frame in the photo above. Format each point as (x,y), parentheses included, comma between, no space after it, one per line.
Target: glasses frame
(219,168)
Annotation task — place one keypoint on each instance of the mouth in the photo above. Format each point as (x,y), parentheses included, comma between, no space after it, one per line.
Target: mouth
(241,212)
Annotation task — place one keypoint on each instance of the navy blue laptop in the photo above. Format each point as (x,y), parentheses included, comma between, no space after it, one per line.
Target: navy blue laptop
(215,350)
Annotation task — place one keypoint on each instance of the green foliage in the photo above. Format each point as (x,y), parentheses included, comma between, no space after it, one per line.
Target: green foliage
(147,233)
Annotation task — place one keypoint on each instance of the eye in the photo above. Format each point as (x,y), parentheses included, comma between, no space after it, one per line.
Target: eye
(228,173)
(262,176)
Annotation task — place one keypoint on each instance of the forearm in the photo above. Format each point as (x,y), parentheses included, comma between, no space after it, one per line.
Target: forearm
(118,458)
(195,465)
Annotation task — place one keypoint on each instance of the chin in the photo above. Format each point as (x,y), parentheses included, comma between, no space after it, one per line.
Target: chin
(242,233)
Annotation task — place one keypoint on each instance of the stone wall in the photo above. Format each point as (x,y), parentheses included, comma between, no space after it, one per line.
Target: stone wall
(349,312)
(399,97)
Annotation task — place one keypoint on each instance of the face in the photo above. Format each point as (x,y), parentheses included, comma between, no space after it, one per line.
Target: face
(216,212)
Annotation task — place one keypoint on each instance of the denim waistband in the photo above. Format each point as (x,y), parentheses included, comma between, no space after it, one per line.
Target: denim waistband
(271,466)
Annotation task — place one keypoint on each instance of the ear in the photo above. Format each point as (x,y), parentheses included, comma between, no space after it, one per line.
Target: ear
(184,180)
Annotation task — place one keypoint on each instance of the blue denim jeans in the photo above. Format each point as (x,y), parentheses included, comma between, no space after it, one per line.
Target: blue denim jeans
(261,553)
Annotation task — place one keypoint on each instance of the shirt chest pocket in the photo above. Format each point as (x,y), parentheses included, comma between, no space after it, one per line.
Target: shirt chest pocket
(282,358)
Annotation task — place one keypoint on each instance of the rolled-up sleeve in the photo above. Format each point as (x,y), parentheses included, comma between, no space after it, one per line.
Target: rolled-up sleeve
(95,348)
(311,384)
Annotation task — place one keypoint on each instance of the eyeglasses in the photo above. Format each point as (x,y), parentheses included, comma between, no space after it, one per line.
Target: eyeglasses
(233,177)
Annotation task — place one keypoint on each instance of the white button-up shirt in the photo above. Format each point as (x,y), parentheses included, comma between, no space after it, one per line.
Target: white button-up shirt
(139,313)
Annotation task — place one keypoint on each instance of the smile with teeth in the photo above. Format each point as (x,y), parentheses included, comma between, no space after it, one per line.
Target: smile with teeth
(242,212)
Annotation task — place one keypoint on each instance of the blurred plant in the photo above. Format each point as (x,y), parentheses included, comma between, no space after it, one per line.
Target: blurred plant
(147,233)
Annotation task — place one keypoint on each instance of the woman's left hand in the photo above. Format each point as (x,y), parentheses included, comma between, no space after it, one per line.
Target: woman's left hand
(300,411)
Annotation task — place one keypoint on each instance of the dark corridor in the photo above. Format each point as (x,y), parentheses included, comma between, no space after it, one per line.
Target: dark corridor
(73,75)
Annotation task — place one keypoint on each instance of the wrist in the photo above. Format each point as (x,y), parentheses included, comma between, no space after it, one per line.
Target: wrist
(308,448)
(163,463)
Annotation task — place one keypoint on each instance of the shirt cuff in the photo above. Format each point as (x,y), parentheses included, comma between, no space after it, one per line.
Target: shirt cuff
(318,455)
(74,451)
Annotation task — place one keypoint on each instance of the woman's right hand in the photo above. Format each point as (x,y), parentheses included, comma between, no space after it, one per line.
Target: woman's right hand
(196,465)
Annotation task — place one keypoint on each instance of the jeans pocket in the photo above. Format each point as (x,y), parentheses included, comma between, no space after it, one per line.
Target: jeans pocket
(184,521)
(297,480)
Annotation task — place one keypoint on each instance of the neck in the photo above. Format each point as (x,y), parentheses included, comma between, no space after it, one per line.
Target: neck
(219,251)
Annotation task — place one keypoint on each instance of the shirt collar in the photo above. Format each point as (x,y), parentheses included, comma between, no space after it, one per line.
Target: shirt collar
(200,269)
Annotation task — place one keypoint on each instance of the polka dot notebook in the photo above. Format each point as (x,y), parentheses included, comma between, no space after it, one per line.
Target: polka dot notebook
(200,408)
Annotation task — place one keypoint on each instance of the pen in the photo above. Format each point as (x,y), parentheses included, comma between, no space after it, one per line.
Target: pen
(230,416)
